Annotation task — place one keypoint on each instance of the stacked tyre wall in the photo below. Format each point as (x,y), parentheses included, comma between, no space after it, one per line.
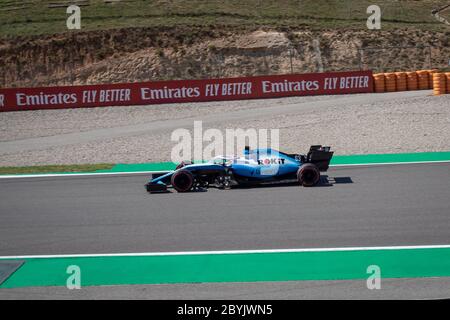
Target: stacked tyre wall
(411,81)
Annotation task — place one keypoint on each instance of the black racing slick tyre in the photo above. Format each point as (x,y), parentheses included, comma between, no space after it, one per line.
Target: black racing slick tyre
(308,175)
(182,181)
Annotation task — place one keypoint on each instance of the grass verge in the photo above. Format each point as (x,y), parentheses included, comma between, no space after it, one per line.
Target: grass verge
(56,168)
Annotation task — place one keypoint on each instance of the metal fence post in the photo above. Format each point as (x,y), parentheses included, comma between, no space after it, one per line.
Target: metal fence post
(290,59)
(360,58)
(429,57)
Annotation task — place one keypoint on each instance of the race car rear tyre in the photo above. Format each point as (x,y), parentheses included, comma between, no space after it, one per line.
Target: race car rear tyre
(183,164)
(308,175)
(182,181)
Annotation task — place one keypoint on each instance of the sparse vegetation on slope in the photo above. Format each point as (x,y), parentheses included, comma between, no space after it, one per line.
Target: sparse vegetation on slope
(29,17)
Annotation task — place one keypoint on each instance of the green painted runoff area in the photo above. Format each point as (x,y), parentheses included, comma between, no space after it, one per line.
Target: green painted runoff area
(336,160)
(233,267)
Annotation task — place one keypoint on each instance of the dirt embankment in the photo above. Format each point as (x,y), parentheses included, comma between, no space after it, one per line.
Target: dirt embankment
(131,55)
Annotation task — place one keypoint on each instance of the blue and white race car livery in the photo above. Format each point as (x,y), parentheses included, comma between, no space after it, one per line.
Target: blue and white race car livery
(257,166)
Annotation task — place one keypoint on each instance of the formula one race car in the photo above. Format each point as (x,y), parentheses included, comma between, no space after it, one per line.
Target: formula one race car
(259,166)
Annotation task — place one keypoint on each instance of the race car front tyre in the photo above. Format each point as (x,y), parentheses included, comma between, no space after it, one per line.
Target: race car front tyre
(182,181)
(308,175)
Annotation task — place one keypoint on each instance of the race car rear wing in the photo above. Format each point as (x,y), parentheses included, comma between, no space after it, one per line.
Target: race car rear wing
(320,156)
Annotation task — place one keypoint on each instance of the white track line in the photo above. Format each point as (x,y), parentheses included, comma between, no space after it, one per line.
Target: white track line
(388,163)
(187,253)
(53,175)
(16,176)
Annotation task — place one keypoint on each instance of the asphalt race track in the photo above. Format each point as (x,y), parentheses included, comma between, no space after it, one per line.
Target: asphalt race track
(385,205)
(389,205)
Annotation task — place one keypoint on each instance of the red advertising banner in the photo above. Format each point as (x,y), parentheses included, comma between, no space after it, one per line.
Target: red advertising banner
(144,93)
